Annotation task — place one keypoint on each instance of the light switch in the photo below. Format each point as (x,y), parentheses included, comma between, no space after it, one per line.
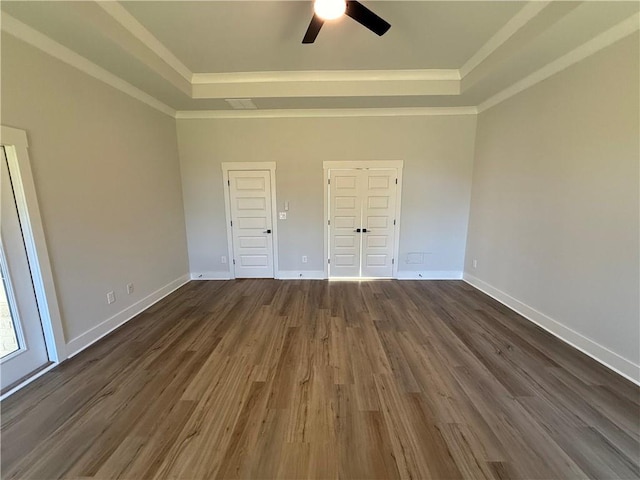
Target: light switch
(286,205)
(283,215)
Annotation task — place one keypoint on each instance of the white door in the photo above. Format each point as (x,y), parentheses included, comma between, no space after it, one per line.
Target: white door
(362,209)
(251,223)
(22,345)
(378,219)
(345,223)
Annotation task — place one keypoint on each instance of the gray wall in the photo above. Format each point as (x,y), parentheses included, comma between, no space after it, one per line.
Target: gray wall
(107,177)
(555,206)
(553,225)
(437,153)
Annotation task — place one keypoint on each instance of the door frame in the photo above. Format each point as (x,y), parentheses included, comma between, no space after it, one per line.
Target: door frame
(248,166)
(16,147)
(363,165)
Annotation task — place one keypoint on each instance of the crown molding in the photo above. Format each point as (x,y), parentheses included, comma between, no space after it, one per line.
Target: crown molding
(326,113)
(36,39)
(133,26)
(336,83)
(608,37)
(519,20)
(326,76)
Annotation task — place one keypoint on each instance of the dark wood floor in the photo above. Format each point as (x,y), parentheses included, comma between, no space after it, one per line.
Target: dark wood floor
(311,379)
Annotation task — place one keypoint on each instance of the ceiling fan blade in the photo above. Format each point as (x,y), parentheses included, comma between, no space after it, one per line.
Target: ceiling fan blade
(366,17)
(313,30)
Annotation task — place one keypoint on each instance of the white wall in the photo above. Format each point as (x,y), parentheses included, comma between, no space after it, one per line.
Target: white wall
(107,177)
(437,153)
(555,206)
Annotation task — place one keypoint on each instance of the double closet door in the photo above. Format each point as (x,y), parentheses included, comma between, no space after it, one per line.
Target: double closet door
(362,222)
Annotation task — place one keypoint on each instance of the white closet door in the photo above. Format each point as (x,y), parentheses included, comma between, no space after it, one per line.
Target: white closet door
(362,207)
(378,217)
(252,224)
(345,217)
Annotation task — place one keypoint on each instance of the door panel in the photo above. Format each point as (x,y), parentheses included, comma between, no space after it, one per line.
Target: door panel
(378,217)
(362,206)
(345,216)
(19,316)
(252,224)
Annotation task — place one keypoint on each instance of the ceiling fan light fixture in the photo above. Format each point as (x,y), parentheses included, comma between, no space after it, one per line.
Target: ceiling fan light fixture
(329,9)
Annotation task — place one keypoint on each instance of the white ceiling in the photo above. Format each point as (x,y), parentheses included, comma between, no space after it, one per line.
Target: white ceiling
(436,54)
(266,36)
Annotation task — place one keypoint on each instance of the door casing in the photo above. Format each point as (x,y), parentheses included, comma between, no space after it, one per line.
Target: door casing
(16,147)
(247,166)
(373,164)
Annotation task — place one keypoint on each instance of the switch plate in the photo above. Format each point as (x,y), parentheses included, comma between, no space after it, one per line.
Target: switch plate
(129,288)
(282,216)
(286,205)
(475,263)
(111,297)
(304,259)
(223,259)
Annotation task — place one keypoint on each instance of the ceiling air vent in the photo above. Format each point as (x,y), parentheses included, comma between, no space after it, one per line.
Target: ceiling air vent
(241,103)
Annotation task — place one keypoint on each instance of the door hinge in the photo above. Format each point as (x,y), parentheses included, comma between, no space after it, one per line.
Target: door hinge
(229,182)
(396,181)
(328,181)
(328,260)
(234,261)
(394,222)
(328,222)
(232,223)
(393,261)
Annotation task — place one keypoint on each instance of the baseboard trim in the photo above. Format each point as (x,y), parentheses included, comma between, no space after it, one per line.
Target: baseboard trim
(211,276)
(90,337)
(28,380)
(429,275)
(601,354)
(301,275)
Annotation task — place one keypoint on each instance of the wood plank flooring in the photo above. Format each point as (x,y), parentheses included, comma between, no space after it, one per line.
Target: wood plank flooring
(312,379)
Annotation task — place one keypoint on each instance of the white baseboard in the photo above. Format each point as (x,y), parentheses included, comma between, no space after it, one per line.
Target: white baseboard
(301,275)
(603,355)
(90,337)
(428,275)
(211,276)
(23,384)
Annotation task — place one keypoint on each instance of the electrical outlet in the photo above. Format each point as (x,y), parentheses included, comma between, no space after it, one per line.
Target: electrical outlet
(111,297)
(223,259)
(475,263)
(304,259)
(129,288)
(282,215)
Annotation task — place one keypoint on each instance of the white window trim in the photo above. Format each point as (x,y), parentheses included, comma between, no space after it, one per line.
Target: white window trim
(16,148)
(247,166)
(369,165)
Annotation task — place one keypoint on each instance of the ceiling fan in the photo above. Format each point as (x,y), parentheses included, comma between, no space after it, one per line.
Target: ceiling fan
(332,9)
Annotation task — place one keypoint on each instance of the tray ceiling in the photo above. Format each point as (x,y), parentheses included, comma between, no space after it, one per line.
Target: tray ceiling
(191,55)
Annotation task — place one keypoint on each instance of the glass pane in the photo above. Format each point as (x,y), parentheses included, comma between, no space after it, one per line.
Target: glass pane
(8,337)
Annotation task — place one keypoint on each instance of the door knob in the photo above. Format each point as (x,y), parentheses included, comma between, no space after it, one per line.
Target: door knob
(364,230)
(357,230)
(267,231)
